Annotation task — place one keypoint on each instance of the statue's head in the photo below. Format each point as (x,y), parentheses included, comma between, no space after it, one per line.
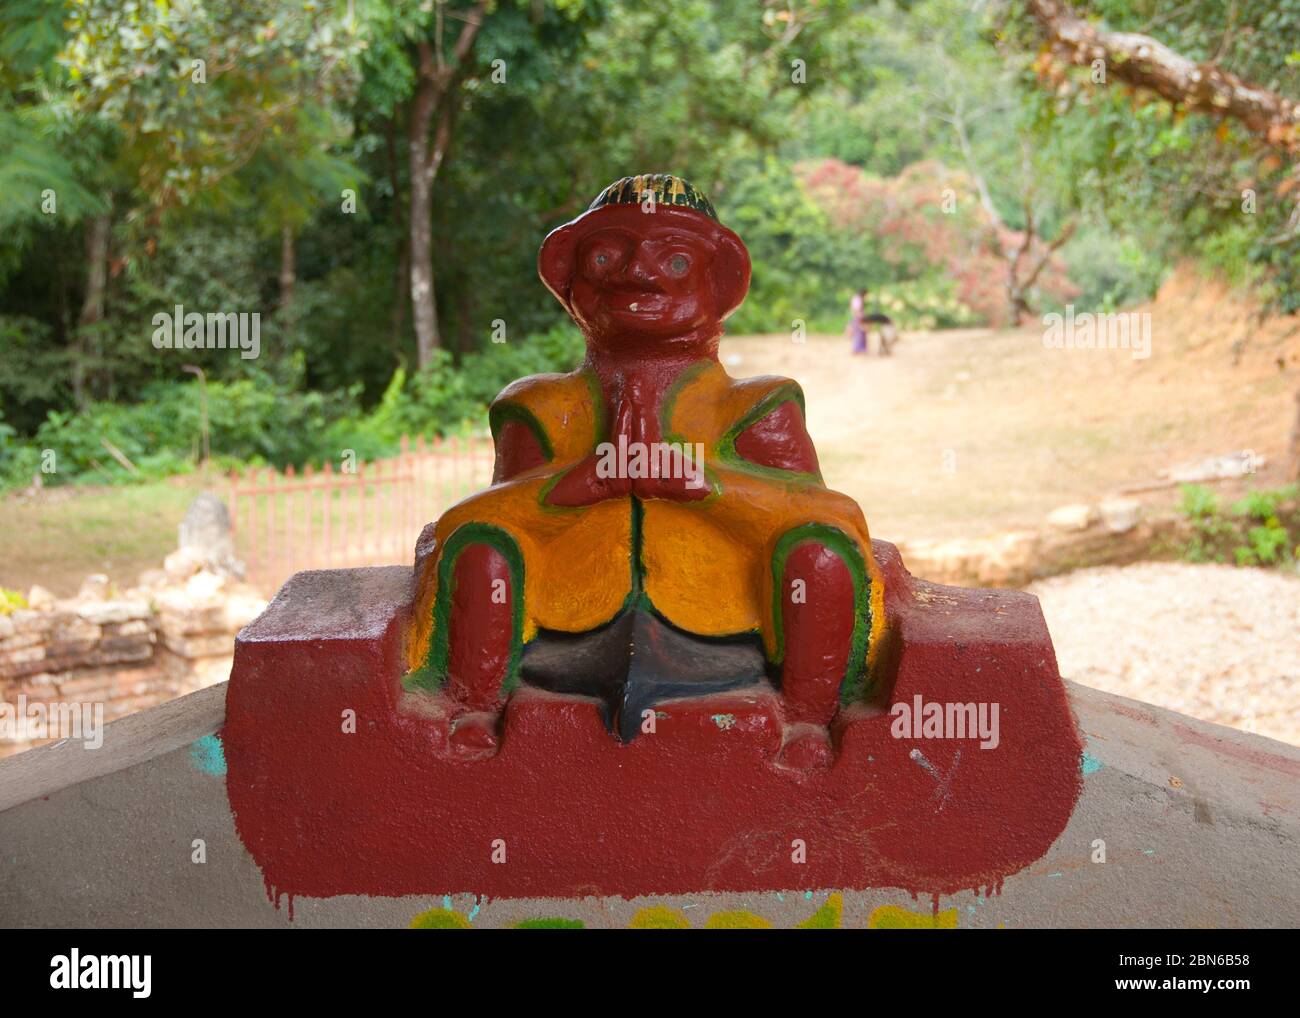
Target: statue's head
(646,267)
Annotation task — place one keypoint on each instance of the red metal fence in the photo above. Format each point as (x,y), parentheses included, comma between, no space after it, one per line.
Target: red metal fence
(367,514)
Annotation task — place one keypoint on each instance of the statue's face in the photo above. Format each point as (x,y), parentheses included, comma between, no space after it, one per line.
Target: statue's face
(639,283)
(643,276)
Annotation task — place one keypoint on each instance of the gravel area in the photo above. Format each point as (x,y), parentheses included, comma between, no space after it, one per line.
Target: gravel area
(1216,642)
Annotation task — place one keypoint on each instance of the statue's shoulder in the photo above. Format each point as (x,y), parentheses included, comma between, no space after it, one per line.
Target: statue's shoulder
(764,389)
(747,400)
(551,385)
(709,393)
(552,405)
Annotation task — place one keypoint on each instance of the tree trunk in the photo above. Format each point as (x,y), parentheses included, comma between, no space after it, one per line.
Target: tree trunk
(403,276)
(432,110)
(397,320)
(98,233)
(288,270)
(424,313)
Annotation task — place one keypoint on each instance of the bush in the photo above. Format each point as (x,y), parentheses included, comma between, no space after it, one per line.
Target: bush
(927,303)
(264,420)
(251,420)
(445,398)
(1261,529)
(1112,271)
(1270,541)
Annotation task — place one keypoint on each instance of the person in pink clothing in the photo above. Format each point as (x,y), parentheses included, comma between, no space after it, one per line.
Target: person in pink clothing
(857,324)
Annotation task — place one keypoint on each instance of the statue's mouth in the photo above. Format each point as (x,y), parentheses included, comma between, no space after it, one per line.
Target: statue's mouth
(638,302)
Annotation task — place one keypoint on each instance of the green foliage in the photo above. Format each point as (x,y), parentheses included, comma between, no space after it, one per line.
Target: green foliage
(1198,502)
(929,302)
(809,259)
(36,165)
(1181,184)
(1261,529)
(197,89)
(11,601)
(202,169)
(443,397)
(1270,540)
(250,420)
(798,272)
(261,420)
(1112,270)
(9,449)
(34,366)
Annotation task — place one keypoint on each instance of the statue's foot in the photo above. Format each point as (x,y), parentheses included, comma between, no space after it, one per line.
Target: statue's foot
(807,747)
(474,736)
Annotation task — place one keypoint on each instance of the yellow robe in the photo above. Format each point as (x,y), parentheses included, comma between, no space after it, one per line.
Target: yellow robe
(706,565)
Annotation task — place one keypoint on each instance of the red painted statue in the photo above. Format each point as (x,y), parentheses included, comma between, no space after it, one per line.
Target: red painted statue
(649,274)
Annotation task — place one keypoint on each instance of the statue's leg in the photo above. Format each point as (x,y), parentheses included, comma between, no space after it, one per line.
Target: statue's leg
(817,619)
(477,620)
(480,631)
(819,601)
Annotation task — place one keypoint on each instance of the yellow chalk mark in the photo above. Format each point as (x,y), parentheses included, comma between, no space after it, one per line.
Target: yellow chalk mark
(739,920)
(660,917)
(827,917)
(894,917)
(440,919)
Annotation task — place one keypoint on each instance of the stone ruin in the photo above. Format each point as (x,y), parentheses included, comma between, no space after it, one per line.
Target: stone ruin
(171,633)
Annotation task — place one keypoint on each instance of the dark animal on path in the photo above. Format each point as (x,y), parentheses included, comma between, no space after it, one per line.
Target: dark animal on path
(884,325)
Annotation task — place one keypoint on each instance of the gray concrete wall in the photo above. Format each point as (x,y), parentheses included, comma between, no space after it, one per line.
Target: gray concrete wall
(1201,826)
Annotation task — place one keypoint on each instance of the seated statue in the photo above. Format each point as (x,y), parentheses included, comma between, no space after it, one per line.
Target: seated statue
(657,656)
(655,528)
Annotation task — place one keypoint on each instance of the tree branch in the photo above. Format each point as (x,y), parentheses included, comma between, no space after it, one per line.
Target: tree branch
(436,82)
(1147,63)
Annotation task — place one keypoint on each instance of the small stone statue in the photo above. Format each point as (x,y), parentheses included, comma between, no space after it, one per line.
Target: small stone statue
(674,516)
(205,533)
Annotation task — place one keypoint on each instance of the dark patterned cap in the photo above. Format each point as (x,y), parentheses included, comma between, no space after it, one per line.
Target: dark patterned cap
(667,190)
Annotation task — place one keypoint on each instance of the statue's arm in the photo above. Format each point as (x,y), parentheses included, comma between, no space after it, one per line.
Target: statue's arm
(519,433)
(544,419)
(775,435)
(518,450)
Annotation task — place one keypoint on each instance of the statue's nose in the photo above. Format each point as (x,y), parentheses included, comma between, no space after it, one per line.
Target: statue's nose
(640,267)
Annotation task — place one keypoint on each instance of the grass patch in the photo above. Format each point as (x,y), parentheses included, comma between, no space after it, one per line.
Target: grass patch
(60,536)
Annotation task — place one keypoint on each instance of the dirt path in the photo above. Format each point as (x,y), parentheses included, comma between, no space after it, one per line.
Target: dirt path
(965,433)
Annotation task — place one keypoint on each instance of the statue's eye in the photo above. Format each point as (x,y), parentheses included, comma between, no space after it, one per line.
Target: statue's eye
(678,265)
